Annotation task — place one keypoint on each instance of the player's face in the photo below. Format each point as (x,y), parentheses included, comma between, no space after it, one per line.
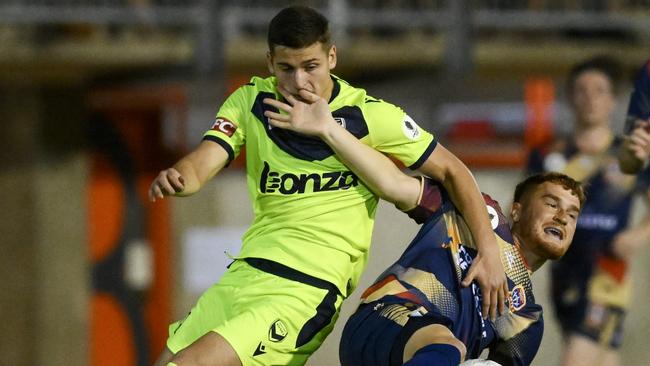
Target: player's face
(546,220)
(593,99)
(303,68)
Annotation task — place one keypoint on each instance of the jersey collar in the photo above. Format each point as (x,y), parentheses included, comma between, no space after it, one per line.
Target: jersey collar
(523,257)
(336,88)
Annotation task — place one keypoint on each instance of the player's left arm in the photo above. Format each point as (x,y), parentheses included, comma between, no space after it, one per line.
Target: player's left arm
(487,268)
(629,241)
(313,117)
(634,153)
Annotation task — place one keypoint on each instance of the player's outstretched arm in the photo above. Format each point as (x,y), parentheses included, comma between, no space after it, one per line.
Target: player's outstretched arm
(628,242)
(312,116)
(487,268)
(634,153)
(190,173)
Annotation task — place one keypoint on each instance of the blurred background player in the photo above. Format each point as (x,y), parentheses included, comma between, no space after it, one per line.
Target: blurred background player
(635,150)
(417,312)
(309,240)
(590,284)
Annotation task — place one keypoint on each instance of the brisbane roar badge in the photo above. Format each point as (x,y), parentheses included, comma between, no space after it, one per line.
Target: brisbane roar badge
(224,126)
(517,298)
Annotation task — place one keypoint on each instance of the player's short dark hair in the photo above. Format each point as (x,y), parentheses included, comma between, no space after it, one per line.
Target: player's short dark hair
(529,184)
(298,27)
(603,64)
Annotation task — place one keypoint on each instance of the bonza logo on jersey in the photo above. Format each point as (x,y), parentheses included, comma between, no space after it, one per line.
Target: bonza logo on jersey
(289,183)
(223,125)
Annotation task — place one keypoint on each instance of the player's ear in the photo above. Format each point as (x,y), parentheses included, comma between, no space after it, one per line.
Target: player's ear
(331,57)
(515,211)
(269,62)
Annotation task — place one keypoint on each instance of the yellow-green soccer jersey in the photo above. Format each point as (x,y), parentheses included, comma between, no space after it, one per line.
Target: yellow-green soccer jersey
(311,212)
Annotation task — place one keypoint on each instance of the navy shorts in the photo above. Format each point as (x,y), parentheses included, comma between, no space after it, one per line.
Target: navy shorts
(375,335)
(579,312)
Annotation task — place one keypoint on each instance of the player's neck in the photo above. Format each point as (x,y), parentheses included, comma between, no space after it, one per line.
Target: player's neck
(531,260)
(593,139)
(327,93)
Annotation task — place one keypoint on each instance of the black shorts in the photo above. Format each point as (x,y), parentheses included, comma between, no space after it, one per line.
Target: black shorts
(580,311)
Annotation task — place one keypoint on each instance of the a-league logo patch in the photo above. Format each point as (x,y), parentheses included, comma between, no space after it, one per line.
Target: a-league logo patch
(410,128)
(278,331)
(517,298)
(223,125)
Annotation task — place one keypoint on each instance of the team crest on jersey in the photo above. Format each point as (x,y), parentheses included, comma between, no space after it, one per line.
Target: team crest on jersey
(278,331)
(517,298)
(225,126)
(410,128)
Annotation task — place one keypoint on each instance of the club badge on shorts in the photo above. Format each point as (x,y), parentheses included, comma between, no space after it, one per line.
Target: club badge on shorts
(278,331)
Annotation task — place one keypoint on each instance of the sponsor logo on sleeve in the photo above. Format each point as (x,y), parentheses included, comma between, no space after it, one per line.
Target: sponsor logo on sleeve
(224,126)
(410,128)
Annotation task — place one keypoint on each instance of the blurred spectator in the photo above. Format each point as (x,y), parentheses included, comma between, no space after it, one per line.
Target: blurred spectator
(591,289)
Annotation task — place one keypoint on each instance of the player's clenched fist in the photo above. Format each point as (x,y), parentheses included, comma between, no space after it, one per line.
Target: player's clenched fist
(639,140)
(167,183)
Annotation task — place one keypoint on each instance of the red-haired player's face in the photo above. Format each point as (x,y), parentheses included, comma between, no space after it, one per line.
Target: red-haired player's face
(546,220)
(303,68)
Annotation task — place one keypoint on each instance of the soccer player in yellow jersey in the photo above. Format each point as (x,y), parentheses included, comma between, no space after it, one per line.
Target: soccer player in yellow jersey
(308,244)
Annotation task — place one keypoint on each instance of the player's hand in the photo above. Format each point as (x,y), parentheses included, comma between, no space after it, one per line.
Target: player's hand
(309,114)
(627,242)
(487,270)
(638,141)
(167,183)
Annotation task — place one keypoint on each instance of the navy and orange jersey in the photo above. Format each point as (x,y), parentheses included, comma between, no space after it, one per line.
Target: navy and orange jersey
(424,284)
(607,209)
(639,107)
